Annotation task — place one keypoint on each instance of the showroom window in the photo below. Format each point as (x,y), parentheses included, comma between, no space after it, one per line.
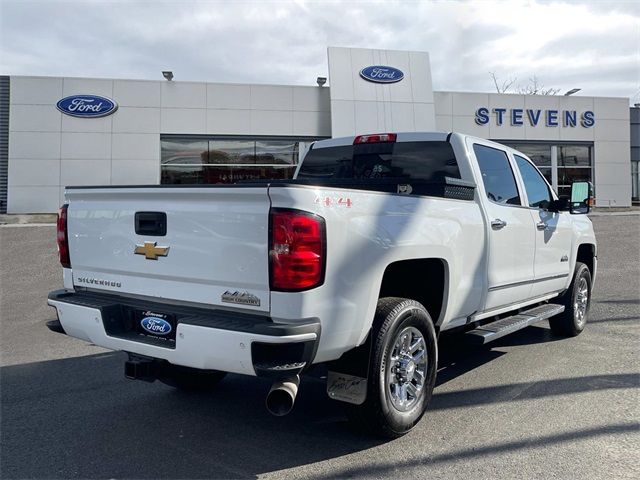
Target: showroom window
(540,155)
(195,160)
(560,164)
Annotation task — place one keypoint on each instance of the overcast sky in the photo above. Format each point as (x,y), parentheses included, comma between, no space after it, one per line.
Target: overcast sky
(591,45)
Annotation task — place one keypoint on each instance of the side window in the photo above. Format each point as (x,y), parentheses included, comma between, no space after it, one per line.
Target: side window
(537,189)
(497,175)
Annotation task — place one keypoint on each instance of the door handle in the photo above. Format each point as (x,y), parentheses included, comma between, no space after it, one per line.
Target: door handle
(541,226)
(497,224)
(151,223)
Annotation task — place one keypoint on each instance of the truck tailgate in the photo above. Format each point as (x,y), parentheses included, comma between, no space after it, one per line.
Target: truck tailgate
(217,240)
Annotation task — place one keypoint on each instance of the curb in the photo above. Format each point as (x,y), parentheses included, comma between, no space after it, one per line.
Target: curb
(28,219)
(19,225)
(613,214)
(46,219)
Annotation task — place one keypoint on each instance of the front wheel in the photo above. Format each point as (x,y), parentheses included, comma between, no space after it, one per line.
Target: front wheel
(402,369)
(576,301)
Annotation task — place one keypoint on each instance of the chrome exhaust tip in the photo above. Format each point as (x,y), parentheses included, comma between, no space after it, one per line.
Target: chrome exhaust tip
(282,396)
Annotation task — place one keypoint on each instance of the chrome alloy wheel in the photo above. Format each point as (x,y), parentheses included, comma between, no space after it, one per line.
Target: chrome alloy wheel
(581,302)
(407,368)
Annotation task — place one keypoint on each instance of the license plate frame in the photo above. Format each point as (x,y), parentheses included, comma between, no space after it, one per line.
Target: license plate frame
(153,324)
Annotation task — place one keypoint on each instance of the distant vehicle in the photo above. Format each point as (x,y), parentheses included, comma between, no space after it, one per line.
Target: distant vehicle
(379,244)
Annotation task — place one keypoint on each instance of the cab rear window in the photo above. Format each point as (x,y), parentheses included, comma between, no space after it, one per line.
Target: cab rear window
(423,161)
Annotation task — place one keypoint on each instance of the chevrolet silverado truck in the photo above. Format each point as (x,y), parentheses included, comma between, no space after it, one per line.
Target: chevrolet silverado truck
(378,245)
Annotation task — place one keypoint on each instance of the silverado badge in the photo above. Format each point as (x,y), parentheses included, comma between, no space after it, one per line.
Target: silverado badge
(150,251)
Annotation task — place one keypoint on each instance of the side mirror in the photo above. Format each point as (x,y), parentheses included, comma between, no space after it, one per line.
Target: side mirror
(581,197)
(561,205)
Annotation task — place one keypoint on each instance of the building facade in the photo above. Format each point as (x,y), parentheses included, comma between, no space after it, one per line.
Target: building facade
(635,153)
(196,132)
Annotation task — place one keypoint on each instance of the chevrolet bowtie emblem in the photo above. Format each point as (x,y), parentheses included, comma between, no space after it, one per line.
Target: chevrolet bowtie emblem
(150,251)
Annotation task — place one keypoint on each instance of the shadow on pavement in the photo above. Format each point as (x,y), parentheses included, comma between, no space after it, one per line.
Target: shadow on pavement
(629,301)
(79,418)
(531,390)
(615,319)
(458,455)
(456,357)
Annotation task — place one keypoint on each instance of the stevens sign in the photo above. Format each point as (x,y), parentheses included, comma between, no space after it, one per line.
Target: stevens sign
(534,117)
(89,106)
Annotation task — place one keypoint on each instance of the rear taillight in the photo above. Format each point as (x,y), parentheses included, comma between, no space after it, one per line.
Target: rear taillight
(375,138)
(296,250)
(63,239)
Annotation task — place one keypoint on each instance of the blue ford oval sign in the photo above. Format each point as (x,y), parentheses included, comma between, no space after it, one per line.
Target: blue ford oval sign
(88,106)
(381,74)
(155,325)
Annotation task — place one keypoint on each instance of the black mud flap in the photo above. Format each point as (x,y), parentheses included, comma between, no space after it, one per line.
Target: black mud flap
(347,376)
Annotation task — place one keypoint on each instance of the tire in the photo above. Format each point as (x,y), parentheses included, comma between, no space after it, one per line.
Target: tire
(576,301)
(190,379)
(391,369)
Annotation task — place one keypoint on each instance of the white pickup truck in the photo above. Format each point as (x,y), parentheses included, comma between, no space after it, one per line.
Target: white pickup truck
(379,244)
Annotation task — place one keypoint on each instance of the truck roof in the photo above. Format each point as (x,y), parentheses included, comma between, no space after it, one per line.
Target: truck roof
(401,137)
(410,137)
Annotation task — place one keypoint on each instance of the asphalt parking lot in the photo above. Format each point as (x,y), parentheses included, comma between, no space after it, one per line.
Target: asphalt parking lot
(531,406)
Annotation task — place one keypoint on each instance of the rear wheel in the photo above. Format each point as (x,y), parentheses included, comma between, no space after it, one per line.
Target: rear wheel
(402,369)
(576,301)
(190,379)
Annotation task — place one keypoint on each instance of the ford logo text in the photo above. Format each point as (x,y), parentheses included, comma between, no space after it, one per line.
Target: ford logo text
(157,326)
(381,74)
(88,106)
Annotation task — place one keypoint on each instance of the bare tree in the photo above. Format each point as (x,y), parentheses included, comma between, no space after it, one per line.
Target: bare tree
(534,87)
(503,87)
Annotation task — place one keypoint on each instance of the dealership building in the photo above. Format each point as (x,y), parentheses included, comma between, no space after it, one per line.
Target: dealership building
(86,131)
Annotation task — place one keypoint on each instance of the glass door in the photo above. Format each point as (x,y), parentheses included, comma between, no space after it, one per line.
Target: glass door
(574,165)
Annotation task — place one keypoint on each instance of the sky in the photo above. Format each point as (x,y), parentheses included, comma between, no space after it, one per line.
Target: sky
(592,45)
